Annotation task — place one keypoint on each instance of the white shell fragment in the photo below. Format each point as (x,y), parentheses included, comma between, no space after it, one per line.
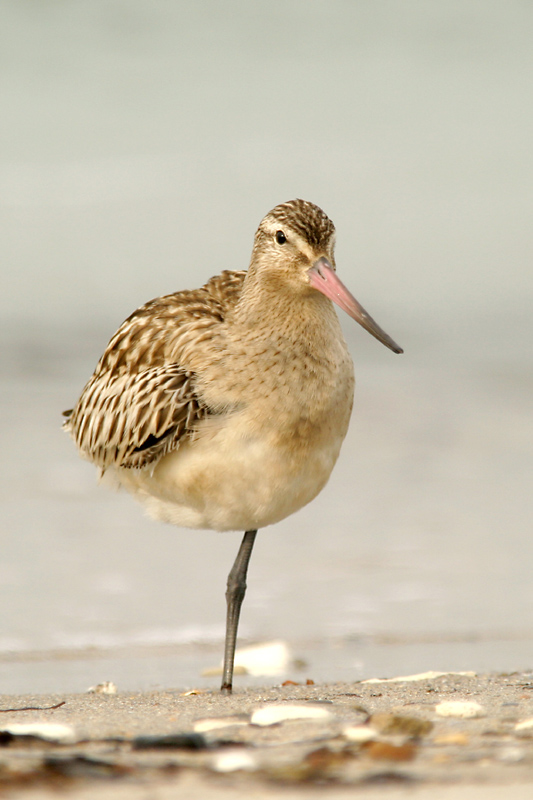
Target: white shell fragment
(48,731)
(511,755)
(421,676)
(215,723)
(359,733)
(525,725)
(107,687)
(268,658)
(233,760)
(280,712)
(466,709)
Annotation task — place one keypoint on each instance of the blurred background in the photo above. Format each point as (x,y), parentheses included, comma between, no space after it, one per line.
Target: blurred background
(140,145)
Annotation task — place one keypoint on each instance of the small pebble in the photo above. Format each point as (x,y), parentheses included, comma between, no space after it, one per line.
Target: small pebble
(279,712)
(396,724)
(172,741)
(383,751)
(465,709)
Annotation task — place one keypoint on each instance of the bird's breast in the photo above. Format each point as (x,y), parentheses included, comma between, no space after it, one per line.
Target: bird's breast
(268,455)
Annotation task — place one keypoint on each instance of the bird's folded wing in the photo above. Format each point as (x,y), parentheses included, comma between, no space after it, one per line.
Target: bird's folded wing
(143,397)
(132,420)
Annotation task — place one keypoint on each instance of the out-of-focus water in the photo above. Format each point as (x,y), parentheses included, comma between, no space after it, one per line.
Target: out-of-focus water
(141,145)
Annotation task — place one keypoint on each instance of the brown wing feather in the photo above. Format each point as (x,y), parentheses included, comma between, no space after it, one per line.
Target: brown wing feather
(143,397)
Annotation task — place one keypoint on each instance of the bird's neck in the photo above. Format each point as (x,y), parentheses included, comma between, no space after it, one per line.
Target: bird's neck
(270,309)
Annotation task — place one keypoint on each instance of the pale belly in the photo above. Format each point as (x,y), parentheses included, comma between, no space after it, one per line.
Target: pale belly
(231,478)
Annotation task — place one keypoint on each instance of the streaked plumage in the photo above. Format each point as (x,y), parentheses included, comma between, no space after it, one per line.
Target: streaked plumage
(225,407)
(142,398)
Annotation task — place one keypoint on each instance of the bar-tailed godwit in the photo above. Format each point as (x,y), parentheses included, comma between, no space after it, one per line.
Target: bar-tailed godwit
(225,407)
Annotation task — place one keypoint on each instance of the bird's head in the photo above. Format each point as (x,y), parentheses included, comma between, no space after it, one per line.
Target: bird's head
(294,249)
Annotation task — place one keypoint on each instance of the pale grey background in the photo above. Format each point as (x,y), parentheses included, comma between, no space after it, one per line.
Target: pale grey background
(140,144)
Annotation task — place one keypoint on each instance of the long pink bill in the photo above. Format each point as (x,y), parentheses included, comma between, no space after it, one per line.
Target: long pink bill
(323,277)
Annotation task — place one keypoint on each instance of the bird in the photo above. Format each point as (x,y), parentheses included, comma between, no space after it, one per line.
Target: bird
(225,407)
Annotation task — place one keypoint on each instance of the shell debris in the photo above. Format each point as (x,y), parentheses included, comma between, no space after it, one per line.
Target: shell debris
(463,709)
(47,731)
(359,734)
(106,687)
(268,659)
(216,723)
(233,760)
(281,712)
(421,676)
(525,725)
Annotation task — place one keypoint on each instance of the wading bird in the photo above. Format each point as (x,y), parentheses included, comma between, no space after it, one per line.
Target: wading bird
(225,407)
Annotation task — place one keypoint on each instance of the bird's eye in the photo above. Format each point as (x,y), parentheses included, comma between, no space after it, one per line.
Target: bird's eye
(280,237)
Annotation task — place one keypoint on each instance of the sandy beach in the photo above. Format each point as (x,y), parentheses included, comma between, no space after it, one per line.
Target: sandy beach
(432,735)
(142,144)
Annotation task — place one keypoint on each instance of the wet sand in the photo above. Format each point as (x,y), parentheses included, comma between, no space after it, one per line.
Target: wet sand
(384,739)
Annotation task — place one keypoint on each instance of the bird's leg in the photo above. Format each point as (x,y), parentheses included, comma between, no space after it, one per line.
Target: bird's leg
(234,597)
